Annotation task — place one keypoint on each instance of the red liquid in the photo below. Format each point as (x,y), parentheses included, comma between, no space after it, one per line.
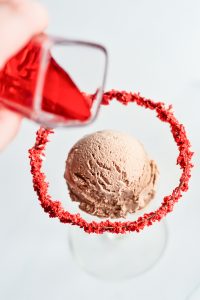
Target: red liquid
(60,96)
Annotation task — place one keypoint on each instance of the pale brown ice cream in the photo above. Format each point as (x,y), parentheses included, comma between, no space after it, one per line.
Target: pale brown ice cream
(110,174)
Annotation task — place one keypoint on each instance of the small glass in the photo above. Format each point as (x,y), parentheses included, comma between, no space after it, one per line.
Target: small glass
(49,79)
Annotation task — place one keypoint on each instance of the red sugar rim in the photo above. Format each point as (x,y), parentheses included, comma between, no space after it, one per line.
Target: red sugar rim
(55,209)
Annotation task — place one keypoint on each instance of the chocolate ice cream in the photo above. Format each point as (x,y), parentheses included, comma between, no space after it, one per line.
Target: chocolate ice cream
(110,174)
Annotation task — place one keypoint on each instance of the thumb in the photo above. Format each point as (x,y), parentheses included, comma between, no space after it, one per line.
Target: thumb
(9,125)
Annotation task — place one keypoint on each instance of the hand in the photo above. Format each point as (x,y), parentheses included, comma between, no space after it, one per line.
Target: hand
(19,21)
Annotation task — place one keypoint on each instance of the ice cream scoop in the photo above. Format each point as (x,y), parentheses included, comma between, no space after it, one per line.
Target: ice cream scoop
(109,174)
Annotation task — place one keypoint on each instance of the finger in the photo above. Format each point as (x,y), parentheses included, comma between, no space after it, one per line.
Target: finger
(19,21)
(11,1)
(9,125)
(18,24)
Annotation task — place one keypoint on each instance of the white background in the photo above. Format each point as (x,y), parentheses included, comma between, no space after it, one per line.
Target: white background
(154,48)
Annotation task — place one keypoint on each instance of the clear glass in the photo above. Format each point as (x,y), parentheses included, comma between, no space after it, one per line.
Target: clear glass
(118,257)
(45,81)
(135,253)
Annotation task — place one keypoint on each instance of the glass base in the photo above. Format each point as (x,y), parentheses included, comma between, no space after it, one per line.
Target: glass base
(115,257)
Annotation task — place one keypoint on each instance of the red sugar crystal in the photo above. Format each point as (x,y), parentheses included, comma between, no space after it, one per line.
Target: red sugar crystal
(55,209)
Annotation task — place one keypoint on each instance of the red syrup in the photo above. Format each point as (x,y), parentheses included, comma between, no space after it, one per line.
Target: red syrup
(60,95)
